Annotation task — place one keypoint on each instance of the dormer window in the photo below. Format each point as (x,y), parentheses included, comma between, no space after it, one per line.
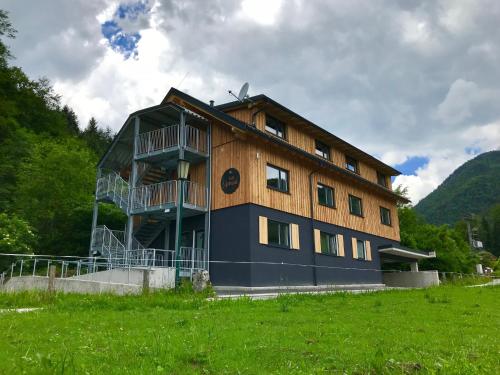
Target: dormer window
(381,179)
(351,164)
(322,150)
(275,127)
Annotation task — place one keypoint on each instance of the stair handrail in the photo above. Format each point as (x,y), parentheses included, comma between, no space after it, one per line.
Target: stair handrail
(112,185)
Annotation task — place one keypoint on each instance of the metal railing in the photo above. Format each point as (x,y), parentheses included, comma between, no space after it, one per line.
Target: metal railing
(195,194)
(168,137)
(162,194)
(196,139)
(192,260)
(106,242)
(157,140)
(155,195)
(112,186)
(150,258)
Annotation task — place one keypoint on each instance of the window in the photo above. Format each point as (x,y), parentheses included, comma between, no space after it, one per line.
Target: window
(382,179)
(325,195)
(329,244)
(355,205)
(385,216)
(277,178)
(278,234)
(275,126)
(322,150)
(361,249)
(351,164)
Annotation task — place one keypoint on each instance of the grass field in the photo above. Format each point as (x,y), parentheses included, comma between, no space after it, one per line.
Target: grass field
(446,330)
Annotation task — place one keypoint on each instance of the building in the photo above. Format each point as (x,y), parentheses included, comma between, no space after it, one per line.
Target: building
(262,196)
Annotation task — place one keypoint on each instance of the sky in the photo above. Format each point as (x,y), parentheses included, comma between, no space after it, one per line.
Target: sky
(414,83)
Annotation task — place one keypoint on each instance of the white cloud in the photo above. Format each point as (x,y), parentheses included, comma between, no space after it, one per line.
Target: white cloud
(261,11)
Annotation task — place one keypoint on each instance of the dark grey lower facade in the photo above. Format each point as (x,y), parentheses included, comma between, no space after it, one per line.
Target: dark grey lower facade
(238,259)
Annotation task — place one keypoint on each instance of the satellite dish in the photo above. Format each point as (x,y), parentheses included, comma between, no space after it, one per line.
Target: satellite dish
(243,92)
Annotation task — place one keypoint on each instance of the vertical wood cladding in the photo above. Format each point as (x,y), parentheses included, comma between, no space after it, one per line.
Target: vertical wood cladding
(250,158)
(300,138)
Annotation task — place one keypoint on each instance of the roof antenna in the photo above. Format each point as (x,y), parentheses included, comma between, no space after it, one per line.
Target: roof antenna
(243,95)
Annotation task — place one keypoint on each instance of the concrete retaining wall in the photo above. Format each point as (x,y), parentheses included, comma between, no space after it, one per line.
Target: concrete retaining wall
(158,277)
(117,281)
(69,285)
(421,279)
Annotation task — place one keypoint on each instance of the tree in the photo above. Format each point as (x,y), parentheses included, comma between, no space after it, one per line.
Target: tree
(57,181)
(7,30)
(71,120)
(16,237)
(452,250)
(402,191)
(96,138)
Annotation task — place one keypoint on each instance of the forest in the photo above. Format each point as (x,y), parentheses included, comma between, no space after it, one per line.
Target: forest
(47,165)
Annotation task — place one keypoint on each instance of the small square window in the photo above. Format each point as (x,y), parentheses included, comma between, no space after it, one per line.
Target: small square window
(351,164)
(326,195)
(278,234)
(355,205)
(277,178)
(322,150)
(361,249)
(381,179)
(385,216)
(275,127)
(329,244)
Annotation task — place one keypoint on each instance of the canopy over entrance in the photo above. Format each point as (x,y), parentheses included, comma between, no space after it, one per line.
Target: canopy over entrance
(398,253)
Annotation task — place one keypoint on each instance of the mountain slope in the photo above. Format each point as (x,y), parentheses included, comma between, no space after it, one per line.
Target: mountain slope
(472,188)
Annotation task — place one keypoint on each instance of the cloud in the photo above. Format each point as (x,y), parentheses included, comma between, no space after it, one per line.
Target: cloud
(398,79)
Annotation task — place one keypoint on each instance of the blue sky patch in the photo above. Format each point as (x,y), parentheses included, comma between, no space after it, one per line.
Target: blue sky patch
(473,150)
(410,166)
(119,40)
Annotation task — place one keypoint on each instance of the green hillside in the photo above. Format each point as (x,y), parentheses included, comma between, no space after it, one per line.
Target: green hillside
(472,188)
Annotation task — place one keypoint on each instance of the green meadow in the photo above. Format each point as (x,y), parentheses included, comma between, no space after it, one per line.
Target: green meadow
(442,330)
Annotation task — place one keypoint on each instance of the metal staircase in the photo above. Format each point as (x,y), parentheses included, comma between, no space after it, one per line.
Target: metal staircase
(108,244)
(148,231)
(113,188)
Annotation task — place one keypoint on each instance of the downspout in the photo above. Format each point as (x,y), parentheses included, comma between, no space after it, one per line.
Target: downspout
(254,124)
(311,202)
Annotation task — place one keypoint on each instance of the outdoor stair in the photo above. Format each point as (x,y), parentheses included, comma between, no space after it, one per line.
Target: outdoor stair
(148,231)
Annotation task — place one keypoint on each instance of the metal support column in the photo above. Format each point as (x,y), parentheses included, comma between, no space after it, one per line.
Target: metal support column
(95,212)
(208,182)
(132,185)
(180,199)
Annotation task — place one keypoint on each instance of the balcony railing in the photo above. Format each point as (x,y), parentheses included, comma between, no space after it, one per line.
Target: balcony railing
(164,195)
(113,186)
(161,140)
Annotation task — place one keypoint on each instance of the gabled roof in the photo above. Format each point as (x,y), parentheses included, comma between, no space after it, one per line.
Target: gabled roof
(218,114)
(331,138)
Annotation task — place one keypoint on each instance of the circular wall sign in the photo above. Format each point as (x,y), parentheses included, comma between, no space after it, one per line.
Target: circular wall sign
(230,181)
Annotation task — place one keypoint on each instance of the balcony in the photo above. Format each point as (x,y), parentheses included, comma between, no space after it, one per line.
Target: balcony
(161,143)
(160,198)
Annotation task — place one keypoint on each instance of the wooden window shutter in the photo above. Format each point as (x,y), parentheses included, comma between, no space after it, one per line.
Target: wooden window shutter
(263,230)
(354,248)
(368,250)
(340,244)
(317,241)
(294,228)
